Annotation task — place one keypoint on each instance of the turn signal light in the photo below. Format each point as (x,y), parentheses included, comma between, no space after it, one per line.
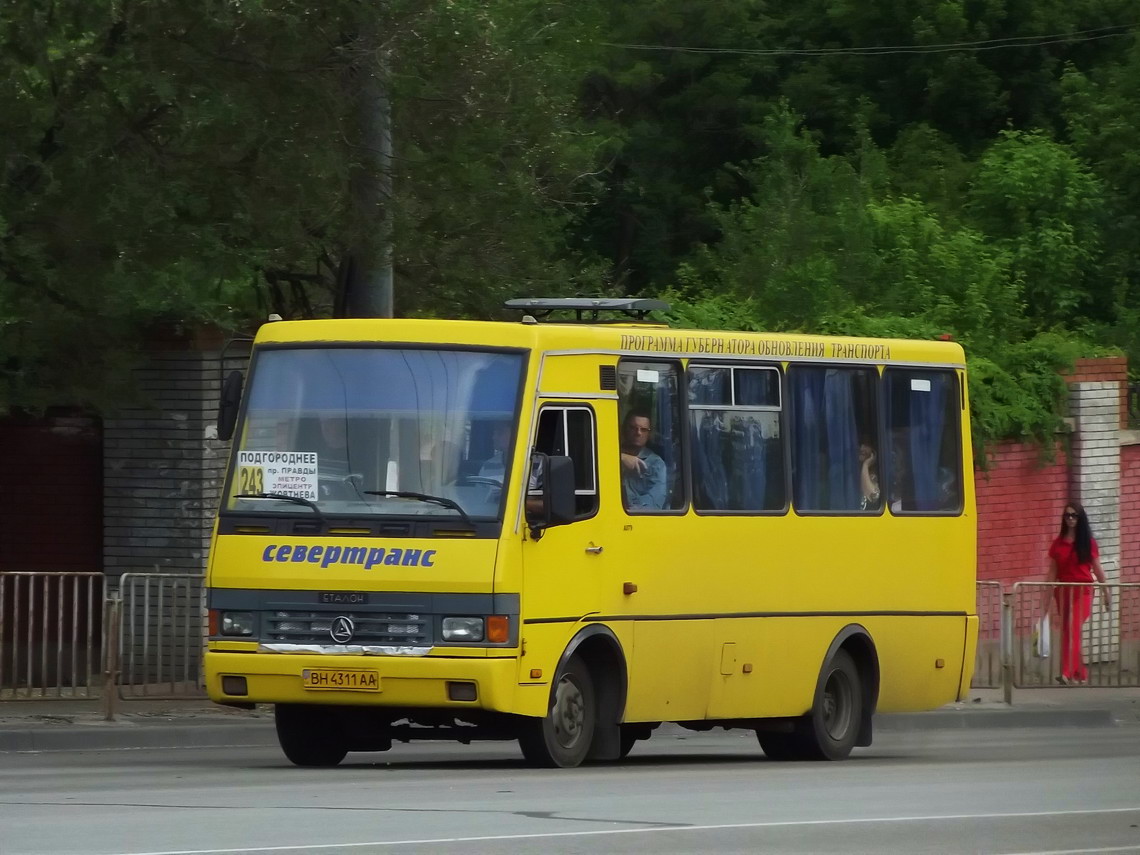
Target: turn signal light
(498,628)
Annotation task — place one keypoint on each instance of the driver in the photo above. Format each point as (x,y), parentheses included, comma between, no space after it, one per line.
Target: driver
(333,457)
(495,466)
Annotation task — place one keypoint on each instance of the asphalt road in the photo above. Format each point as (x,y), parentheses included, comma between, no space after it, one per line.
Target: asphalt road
(1002,791)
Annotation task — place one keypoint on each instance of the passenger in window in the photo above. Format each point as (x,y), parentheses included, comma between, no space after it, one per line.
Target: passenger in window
(643,471)
(868,477)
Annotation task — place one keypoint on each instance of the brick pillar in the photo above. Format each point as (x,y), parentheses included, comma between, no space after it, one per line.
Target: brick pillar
(1095,407)
(162,468)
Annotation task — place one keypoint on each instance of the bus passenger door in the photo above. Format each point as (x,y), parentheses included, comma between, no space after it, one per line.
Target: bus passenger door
(563,569)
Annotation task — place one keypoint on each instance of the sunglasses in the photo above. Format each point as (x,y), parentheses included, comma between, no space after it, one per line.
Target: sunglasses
(1069,516)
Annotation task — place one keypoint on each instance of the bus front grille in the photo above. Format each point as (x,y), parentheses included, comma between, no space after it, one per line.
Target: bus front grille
(367,627)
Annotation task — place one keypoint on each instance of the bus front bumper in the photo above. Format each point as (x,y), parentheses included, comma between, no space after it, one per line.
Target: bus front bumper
(416,682)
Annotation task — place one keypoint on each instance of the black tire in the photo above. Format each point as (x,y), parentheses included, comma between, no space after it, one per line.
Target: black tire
(829,731)
(781,746)
(562,737)
(309,735)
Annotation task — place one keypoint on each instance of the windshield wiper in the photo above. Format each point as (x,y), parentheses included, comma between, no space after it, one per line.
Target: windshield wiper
(296,500)
(424,497)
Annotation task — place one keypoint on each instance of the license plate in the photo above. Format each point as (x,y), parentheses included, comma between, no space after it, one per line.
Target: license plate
(328,678)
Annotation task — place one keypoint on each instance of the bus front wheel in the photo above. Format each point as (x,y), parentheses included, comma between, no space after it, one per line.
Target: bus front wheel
(308,735)
(562,737)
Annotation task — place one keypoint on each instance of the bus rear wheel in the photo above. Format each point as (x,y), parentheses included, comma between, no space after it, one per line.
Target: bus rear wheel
(309,735)
(829,731)
(562,737)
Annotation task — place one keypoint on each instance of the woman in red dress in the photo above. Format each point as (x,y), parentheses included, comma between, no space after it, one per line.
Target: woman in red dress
(1074,557)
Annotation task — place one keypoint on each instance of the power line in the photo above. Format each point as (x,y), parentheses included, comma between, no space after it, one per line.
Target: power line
(888,50)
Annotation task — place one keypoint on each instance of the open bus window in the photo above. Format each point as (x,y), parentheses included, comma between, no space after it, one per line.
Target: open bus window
(649,405)
(924,469)
(737,449)
(835,428)
(569,432)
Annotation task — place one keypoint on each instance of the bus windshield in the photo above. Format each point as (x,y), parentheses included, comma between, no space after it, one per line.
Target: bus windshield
(340,430)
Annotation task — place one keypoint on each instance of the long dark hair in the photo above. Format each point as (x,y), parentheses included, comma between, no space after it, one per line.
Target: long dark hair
(1082,538)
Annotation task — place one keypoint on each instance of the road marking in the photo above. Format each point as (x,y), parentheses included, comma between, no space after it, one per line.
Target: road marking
(315,847)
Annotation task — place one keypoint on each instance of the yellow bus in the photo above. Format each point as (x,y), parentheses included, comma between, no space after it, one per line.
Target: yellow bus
(573,528)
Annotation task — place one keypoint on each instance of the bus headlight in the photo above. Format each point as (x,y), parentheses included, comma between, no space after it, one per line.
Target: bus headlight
(463,629)
(237,623)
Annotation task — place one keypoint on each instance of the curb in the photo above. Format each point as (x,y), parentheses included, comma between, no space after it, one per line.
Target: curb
(99,737)
(992,719)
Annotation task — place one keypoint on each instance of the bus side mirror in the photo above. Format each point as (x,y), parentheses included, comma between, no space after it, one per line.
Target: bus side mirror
(228,405)
(551,499)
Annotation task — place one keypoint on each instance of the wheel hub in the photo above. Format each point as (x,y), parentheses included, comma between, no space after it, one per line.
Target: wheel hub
(569,713)
(837,705)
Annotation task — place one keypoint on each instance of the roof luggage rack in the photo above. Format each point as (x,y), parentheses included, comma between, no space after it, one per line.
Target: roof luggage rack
(588,310)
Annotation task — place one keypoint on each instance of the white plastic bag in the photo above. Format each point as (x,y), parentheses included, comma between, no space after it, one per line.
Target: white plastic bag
(1041,638)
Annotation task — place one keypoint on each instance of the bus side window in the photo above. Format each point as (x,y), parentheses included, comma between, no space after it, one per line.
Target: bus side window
(569,432)
(736,445)
(649,405)
(924,469)
(835,417)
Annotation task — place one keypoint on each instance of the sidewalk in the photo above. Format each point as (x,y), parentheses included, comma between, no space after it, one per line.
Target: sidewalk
(77,725)
(1082,706)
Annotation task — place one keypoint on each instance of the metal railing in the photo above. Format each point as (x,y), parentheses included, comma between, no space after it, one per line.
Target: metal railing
(51,635)
(1092,632)
(55,627)
(987,657)
(159,650)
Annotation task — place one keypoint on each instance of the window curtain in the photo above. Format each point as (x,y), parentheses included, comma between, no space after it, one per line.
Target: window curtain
(927,422)
(667,443)
(709,386)
(711,476)
(808,439)
(753,450)
(842,440)
(752,386)
(826,441)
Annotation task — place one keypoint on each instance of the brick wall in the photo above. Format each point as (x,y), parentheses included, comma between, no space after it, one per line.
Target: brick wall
(1130,513)
(1104,369)
(1020,498)
(1019,511)
(162,468)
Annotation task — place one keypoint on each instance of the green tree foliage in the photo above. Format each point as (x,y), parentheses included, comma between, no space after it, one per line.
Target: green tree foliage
(1038,202)
(189,164)
(939,166)
(914,169)
(825,244)
(682,116)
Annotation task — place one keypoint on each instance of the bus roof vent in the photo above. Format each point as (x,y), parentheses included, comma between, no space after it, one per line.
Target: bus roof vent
(589,310)
(607,377)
